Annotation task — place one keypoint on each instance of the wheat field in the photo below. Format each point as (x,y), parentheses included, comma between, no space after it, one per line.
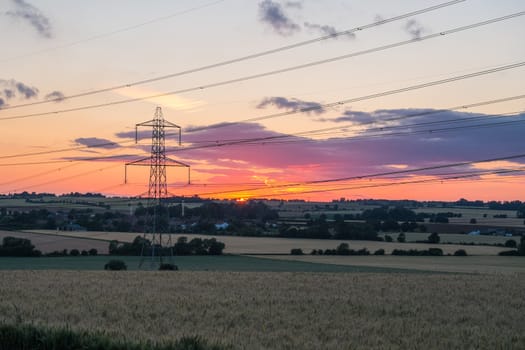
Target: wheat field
(277,310)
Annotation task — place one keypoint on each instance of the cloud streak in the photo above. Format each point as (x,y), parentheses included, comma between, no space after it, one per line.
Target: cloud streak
(56,96)
(95,142)
(13,88)
(327,30)
(33,16)
(414,29)
(296,158)
(293,104)
(273,14)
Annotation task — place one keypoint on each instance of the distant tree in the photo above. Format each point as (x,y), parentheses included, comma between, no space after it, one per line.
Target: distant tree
(14,246)
(401,238)
(214,247)
(460,252)
(473,221)
(168,267)
(296,251)
(93,252)
(433,238)
(510,243)
(84,253)
(115,265)
(74,252)
(343,249)
(379,252)
(435,251)
(388,238)
(441,218)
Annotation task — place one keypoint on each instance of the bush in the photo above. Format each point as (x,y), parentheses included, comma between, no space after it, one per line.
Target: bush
(84,253)
(14,246)
(379,252)
(93,252)
(343,249)
(296,251)
(433,238)
(510,243)
(401,238)
(115,265)
(74,252)
(388,238)
(168,267)
(460,252)
(435,251)
(415,252)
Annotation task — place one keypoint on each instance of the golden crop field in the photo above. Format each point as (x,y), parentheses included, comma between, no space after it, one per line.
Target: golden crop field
(275,245)
(277,310)
(50,243)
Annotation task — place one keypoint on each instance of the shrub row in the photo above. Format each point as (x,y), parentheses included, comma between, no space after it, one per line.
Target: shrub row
(21,337)
(416,252)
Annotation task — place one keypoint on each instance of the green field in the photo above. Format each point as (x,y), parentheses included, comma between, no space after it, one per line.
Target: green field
(187,263)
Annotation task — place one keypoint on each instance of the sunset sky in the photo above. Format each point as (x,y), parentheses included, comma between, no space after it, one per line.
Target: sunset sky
(411,97)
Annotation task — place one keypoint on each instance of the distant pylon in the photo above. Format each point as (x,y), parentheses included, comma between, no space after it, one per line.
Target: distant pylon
(157,222)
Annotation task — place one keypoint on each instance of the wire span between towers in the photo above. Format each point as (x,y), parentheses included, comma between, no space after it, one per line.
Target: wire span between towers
(245,58)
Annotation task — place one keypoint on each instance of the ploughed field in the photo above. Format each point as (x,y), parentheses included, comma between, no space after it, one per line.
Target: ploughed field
(270,310)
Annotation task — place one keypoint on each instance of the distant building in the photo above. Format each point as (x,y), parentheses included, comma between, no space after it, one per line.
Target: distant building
(74,227)
(222,226)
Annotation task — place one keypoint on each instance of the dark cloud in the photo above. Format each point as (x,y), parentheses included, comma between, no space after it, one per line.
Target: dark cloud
(142,134)
(27,91)
(56,96)
(327,30)
(342,156)
(12,87)
(414,28)
(355,117)
(97,142)
(273,14)
(33,16)
(8,93)
(292,104)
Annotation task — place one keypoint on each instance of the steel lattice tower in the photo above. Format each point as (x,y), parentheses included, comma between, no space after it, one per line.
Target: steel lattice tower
(157,218)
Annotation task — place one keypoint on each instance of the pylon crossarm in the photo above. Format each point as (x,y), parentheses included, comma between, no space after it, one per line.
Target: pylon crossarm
(138,162)
(177,163)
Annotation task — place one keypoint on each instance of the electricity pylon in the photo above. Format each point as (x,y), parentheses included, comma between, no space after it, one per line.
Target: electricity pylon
(157,218)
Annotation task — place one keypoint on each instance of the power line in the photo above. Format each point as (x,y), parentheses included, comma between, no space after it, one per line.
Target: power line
(388,184)
(363,98)
(243,58)
(104,35)
(276,138)
(274,72)
(273,139)
(68,177)
(369,176)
